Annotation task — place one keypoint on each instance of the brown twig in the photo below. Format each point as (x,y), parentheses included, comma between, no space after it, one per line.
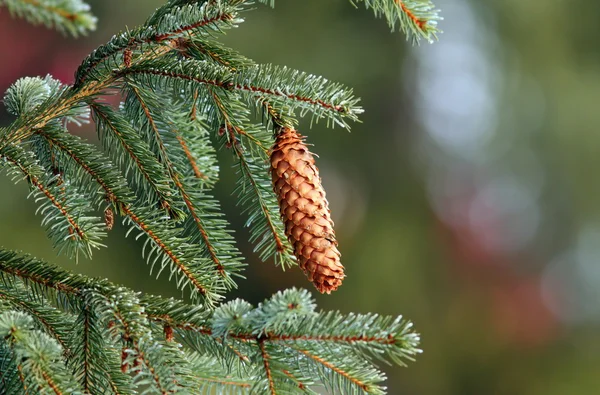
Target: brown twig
(420,23)
(233,86)
(55,10)
(332,367)
(265,358)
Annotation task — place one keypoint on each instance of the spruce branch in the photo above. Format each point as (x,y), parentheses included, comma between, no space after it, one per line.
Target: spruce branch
(285,90)
(167,246)
(37,356)
(46,318)
(132,155)
(416,18)
(253,188)
(204,224)
(160,33)
(164,237)
(66,216)
(334,346)
(301,347)
(267,366)
(94,359)
(66,16)
(67,98)
(186,96)
(162,362)
(82,161)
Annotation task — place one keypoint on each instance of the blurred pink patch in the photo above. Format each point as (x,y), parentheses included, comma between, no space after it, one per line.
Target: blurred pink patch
(27,48)
(515,306)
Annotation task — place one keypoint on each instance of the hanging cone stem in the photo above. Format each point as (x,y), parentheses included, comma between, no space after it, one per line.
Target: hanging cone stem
(305,211)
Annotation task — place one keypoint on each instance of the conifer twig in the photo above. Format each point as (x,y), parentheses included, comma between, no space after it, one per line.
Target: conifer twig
(266,362)
(185,95)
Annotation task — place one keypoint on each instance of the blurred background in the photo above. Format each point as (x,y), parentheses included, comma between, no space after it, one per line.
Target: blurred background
(465,200)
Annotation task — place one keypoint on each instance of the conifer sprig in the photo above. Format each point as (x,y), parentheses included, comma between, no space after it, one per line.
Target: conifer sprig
(37,358)
(416,18)
(284,89)
(304,348)
(185,97)
(249,144)
(202,224)
(67,16)
(66,216)
(132,155)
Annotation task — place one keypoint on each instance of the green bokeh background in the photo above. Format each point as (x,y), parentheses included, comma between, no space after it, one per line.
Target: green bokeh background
(494,318)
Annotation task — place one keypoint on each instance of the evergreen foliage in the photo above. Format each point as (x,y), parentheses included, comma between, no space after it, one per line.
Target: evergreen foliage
(67,16)
(185,96)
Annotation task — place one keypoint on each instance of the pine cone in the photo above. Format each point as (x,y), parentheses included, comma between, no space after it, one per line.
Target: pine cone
(305,211)
(109,218)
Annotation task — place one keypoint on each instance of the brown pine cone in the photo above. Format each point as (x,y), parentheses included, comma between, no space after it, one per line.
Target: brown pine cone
(109,218)
(305,211)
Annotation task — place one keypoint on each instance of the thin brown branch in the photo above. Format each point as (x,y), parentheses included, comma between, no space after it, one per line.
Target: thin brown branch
(332,367)
(214,56)
(271,92)
(86,350)
(250,137)
(150,369)
(114,388)
(199,287)
(190,157)
(420,23)
(53,199)
(233,86)
(59,286)
(274,114)
(51,383)
(224,382)
(342,339)
(193,113)
(280,246)
(82,163)
(294,378)
(59,181)
(55,10)
(133,44)
(241,356)
(265,358)
(152,123)
(203,22)
(22,378)
(273,337)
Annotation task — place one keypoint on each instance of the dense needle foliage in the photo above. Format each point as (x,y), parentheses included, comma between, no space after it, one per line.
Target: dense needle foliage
(184,96)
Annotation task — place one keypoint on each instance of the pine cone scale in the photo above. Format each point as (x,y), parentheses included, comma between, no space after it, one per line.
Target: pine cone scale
(305,211)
